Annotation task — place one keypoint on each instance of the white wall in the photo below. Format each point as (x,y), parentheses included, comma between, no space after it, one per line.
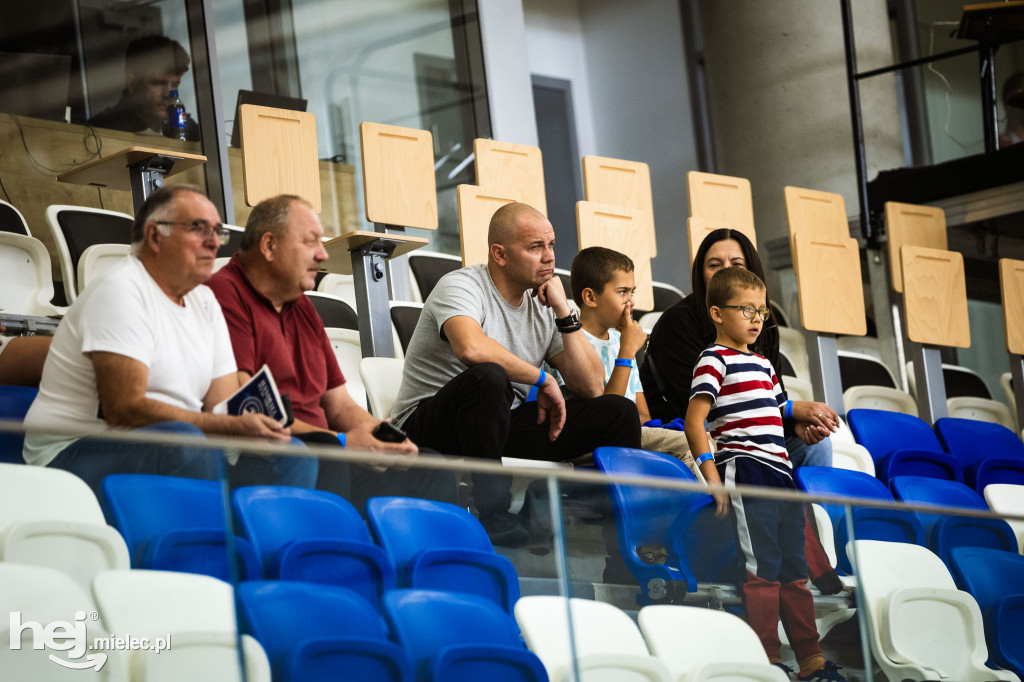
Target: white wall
(509,92)
(630,92)
(555,48)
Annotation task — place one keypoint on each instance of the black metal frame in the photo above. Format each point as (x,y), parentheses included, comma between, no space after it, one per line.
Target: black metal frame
(986,52)
(210,108)
(693,46)
(273,55)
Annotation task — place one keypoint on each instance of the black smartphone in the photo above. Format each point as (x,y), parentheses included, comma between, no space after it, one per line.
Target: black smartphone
(288,413)
(389,433)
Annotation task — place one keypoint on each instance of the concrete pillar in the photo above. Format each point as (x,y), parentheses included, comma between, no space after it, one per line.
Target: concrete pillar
(779,106)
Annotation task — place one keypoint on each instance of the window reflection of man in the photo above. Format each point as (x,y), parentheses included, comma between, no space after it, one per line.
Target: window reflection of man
(153,68)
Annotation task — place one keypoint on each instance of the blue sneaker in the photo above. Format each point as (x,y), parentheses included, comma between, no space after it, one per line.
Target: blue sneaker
(828,673)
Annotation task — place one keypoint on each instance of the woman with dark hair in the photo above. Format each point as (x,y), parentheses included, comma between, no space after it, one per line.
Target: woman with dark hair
(686,329)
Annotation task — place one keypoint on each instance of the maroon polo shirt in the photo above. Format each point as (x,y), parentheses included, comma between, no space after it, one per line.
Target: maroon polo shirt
(292,343)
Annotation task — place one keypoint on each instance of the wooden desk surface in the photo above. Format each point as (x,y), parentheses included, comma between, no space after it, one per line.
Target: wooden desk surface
(339,259)
(111,171)
(58,145)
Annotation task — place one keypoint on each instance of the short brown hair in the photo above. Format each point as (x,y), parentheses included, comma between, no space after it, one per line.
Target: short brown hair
(155,54)
(270,215)
(593,267)
(726,280)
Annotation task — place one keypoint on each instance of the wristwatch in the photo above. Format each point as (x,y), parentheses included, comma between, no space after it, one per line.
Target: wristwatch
(569,323)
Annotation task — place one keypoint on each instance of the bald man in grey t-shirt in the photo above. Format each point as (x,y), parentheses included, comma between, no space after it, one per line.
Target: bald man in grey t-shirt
(476,351)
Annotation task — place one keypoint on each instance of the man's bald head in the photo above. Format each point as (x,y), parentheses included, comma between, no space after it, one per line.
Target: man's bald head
(505,221)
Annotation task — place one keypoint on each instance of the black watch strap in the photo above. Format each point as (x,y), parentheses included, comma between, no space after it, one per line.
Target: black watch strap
(569,323)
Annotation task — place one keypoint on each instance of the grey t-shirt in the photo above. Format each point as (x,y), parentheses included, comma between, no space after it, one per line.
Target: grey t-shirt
(527,330)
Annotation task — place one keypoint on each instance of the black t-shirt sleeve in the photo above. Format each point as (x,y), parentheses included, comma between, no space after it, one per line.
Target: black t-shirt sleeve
(677,341)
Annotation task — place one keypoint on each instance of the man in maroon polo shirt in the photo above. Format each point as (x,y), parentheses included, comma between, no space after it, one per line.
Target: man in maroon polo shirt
(271,322)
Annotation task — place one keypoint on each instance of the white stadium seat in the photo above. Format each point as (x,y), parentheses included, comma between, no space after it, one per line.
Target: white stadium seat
(382,378)
(49,517)
(196,611)
(699,645)
(607,643)
(921,626)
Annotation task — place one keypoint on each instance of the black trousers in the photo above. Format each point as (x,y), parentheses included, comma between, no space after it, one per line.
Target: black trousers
(472,416)
(357,484)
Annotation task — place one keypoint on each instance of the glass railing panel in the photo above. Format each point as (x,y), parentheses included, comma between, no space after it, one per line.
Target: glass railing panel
(932,573)
(137,567)
(617,542)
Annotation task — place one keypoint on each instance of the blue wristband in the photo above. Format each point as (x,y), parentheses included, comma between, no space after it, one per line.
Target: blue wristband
(543,378)
(624,362)
(341,438)
(705,457)
(789,409)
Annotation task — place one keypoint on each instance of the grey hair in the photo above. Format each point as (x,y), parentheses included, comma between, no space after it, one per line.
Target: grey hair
(158,206)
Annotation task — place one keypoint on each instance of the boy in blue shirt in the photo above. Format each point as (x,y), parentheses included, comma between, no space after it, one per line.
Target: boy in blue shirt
(603,285)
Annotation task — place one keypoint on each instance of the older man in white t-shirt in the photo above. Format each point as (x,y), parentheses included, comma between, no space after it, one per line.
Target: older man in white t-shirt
(146,346)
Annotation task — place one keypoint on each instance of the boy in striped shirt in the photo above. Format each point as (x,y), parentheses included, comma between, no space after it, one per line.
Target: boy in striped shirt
(739,395)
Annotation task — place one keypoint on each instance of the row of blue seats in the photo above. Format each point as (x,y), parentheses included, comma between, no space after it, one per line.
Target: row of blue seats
(701,548)
(940,533)
(324,632)
(981,553)
(295,534)
(963,450)
(996,581)
(310,632)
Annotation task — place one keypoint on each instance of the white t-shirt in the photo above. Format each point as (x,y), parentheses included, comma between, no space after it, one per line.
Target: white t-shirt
(608,351)
(125,312)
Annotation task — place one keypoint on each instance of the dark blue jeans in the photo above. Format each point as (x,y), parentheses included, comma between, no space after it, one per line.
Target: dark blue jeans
(91,459)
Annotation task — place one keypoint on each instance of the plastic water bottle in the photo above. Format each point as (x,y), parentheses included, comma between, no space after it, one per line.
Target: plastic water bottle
(177,117)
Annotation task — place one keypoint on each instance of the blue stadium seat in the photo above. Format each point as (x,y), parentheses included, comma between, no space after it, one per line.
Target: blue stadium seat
(922,490)
(459,637)
(312,536)
(438,546)
(869,523)
(14,404)
(315,633)
(990,453)
(947,532)
(902,445)
(175,524)
(996,581)
(951,532)
(830,481)
(700,547)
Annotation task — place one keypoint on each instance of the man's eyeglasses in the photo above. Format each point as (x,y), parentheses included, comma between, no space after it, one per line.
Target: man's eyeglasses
(202,229)
(749,311)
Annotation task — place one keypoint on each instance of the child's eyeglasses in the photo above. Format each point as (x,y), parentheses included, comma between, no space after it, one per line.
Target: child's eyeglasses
(749,311)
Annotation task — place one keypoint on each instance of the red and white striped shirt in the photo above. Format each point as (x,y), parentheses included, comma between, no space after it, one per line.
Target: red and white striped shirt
(745,418)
